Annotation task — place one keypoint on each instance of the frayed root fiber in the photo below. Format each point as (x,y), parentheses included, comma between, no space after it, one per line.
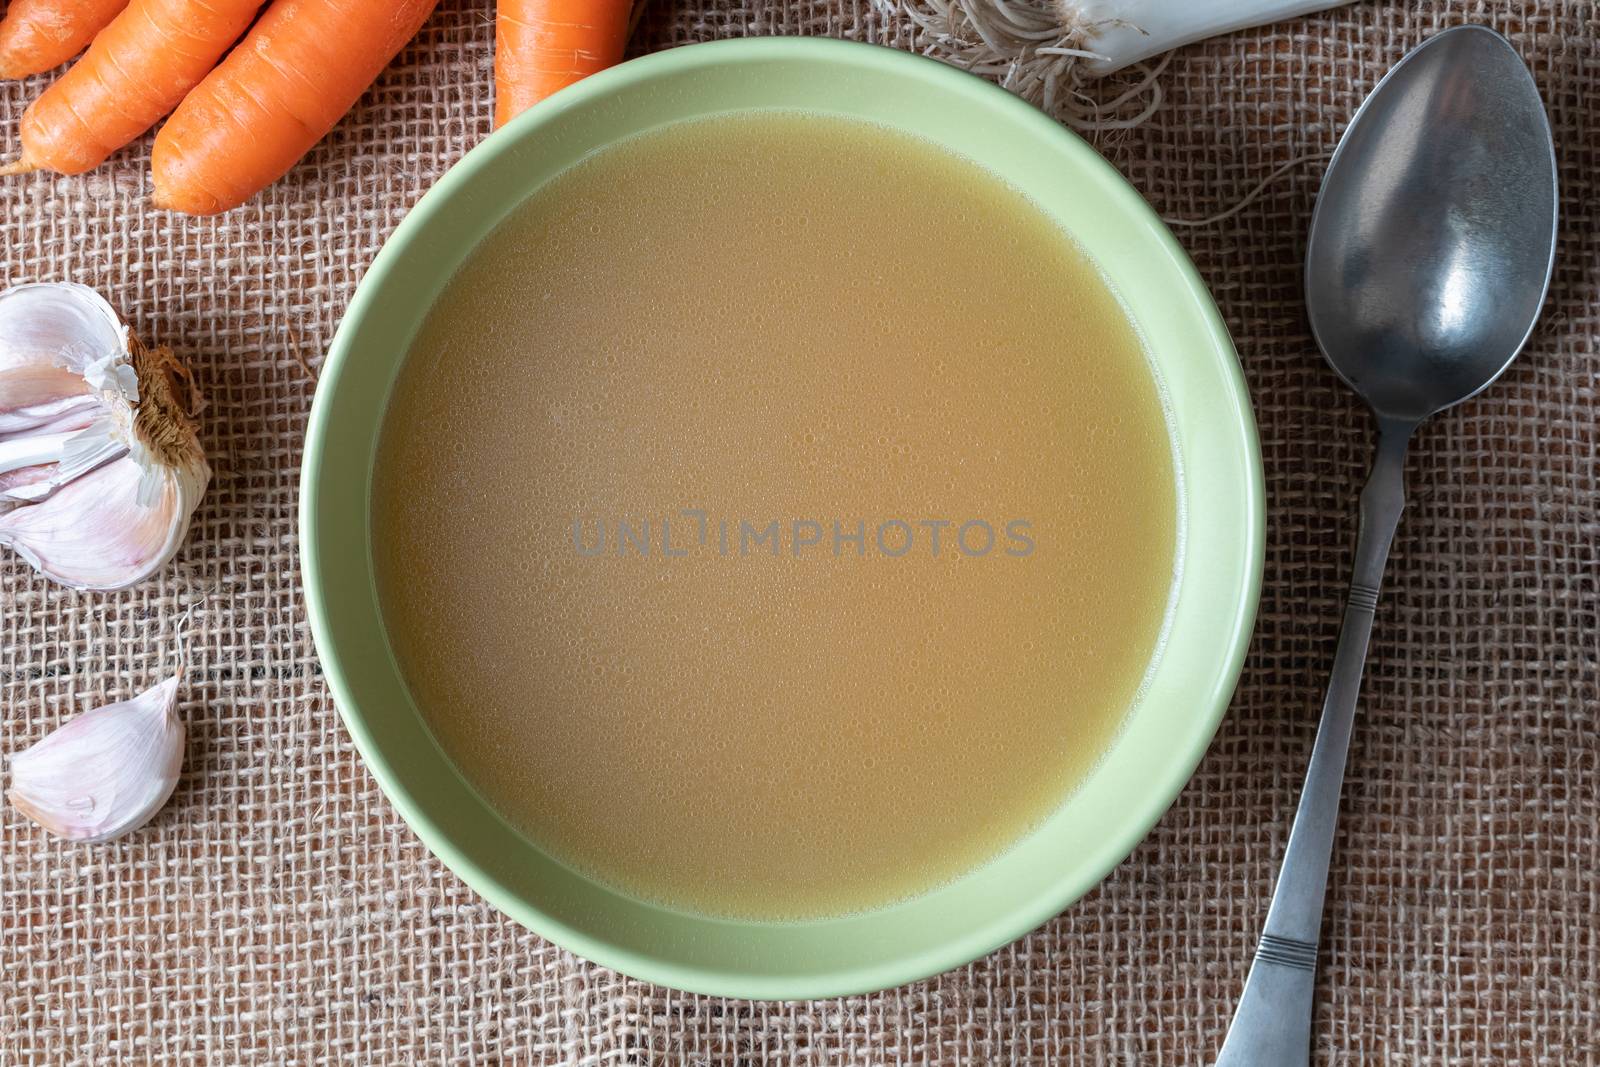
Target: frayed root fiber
(1038,51)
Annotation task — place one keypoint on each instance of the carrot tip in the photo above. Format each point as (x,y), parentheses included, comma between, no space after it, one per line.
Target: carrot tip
(18,166)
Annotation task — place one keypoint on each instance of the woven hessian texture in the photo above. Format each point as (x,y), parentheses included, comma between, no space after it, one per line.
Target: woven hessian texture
(278,910)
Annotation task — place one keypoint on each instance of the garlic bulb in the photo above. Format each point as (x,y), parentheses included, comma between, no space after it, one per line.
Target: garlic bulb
(100,466)
(105,772)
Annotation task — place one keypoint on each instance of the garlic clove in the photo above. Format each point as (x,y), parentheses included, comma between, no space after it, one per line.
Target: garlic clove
(105,772)
(109,528)
(75,455)
(59,324)
(25,483)
(30,451)
(69,419)
(34,396)
(32,466)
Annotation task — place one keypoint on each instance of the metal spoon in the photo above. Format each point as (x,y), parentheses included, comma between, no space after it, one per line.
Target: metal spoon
(1431,249)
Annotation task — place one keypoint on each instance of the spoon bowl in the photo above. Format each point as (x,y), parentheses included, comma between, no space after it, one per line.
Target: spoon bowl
(1433,237)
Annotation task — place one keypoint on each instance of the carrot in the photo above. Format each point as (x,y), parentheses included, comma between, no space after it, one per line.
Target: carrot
(137,70)
(36,35)
(293,76)
(541,46)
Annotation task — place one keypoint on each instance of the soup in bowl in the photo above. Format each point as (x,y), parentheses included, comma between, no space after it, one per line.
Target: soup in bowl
(782,518)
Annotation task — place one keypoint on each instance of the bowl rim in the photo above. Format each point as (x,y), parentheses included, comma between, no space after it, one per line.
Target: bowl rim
(954,951)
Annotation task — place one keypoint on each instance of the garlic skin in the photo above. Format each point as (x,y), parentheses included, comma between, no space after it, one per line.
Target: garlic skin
(100,465)
(105,772)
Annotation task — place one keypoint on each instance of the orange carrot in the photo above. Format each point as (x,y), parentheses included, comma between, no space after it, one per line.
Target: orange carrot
(36,35)
(137,70)
(541,46)
(293,76)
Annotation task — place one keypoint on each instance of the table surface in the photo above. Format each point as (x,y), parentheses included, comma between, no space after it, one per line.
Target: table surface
(278,910)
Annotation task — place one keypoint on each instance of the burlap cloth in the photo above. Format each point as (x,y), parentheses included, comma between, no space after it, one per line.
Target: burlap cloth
(278,911)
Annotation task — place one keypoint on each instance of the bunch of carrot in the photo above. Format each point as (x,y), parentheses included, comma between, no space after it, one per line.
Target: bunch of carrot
(242,121)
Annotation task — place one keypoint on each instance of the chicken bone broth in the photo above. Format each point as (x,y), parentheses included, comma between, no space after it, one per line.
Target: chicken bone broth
(775,516)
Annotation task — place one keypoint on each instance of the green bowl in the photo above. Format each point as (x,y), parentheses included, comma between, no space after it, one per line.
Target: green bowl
(1220,539)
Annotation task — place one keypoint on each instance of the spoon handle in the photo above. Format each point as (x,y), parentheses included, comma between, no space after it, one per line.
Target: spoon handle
(1272,1025)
